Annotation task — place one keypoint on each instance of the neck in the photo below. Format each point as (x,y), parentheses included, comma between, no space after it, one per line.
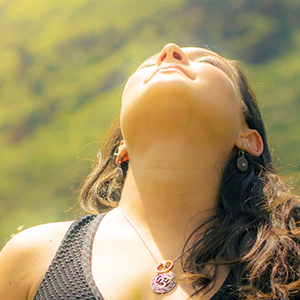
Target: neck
(168,196)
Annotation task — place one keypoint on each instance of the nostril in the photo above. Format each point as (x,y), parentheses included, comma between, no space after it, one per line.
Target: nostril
(177,55)
(163,57)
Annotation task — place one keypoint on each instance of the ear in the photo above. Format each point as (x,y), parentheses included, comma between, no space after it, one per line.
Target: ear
(250,141)
(122,153)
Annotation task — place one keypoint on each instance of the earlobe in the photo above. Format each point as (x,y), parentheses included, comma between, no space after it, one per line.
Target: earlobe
(250,141)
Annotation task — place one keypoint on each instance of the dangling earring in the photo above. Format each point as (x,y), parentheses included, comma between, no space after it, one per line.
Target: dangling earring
(242,163)
(119,175)
(119,172)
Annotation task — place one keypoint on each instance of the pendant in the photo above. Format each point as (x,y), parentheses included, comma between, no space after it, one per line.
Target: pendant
(165,280)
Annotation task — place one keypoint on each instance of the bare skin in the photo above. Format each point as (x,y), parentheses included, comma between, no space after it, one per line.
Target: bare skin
(25,260)
(180,123)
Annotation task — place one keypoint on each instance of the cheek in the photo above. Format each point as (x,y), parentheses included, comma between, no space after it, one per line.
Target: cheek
(135,85)
(219,98)
(218,103)
(129,89)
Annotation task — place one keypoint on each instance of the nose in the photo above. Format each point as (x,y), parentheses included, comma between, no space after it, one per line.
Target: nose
(172,53)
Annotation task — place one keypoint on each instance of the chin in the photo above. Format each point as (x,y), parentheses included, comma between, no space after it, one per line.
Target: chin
(163,100)
(158,114)
(171,82)
(172,109)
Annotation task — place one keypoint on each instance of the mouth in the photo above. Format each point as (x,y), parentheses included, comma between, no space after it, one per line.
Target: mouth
(170,67)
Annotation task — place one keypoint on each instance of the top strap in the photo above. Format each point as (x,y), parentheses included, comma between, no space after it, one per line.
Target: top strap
(66,278)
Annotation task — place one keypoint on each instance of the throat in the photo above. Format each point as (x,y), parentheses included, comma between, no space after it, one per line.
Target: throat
(165,214)
(169,198)
(167,202)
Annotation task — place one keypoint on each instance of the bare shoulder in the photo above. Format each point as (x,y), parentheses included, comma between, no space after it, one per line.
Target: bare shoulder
(45,233)
(25,259)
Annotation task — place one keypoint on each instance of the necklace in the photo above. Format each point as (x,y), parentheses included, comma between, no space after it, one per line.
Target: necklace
(164,280)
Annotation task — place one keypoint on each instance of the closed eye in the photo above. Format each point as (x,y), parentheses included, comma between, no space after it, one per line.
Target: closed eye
(151,61)
(208,59)
(213,60)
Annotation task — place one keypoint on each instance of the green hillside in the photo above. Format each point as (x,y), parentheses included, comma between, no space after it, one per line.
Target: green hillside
(63,65)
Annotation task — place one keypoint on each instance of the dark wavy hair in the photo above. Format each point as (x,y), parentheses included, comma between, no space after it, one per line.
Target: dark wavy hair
(255,229)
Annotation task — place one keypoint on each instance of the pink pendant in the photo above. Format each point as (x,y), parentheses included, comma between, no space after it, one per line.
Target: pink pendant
(164,282)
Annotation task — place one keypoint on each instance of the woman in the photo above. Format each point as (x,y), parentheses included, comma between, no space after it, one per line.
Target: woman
(202,214)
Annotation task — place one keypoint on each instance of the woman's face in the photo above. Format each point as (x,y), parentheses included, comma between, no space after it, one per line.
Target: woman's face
(190,91)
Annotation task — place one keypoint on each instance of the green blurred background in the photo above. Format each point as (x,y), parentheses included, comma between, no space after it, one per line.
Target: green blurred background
(62,69)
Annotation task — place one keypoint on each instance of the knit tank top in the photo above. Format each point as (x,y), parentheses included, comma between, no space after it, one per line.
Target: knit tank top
(69,276)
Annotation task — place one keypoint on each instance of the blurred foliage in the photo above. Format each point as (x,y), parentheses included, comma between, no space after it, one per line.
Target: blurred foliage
(63,65)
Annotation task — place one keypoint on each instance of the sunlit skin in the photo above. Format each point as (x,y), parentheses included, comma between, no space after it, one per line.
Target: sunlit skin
(181,118)
(163,101)
(179,128)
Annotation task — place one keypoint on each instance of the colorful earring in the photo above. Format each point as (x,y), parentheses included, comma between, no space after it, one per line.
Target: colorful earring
(242,163)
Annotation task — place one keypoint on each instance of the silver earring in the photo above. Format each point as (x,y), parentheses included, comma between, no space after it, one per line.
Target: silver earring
(119,172)
(242,163)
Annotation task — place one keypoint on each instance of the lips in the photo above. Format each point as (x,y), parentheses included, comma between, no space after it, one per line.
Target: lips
(170,66)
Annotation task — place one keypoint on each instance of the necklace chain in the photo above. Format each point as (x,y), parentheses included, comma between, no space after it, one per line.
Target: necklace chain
(157,260)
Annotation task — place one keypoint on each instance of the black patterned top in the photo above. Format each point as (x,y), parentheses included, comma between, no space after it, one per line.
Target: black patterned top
(69,276)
